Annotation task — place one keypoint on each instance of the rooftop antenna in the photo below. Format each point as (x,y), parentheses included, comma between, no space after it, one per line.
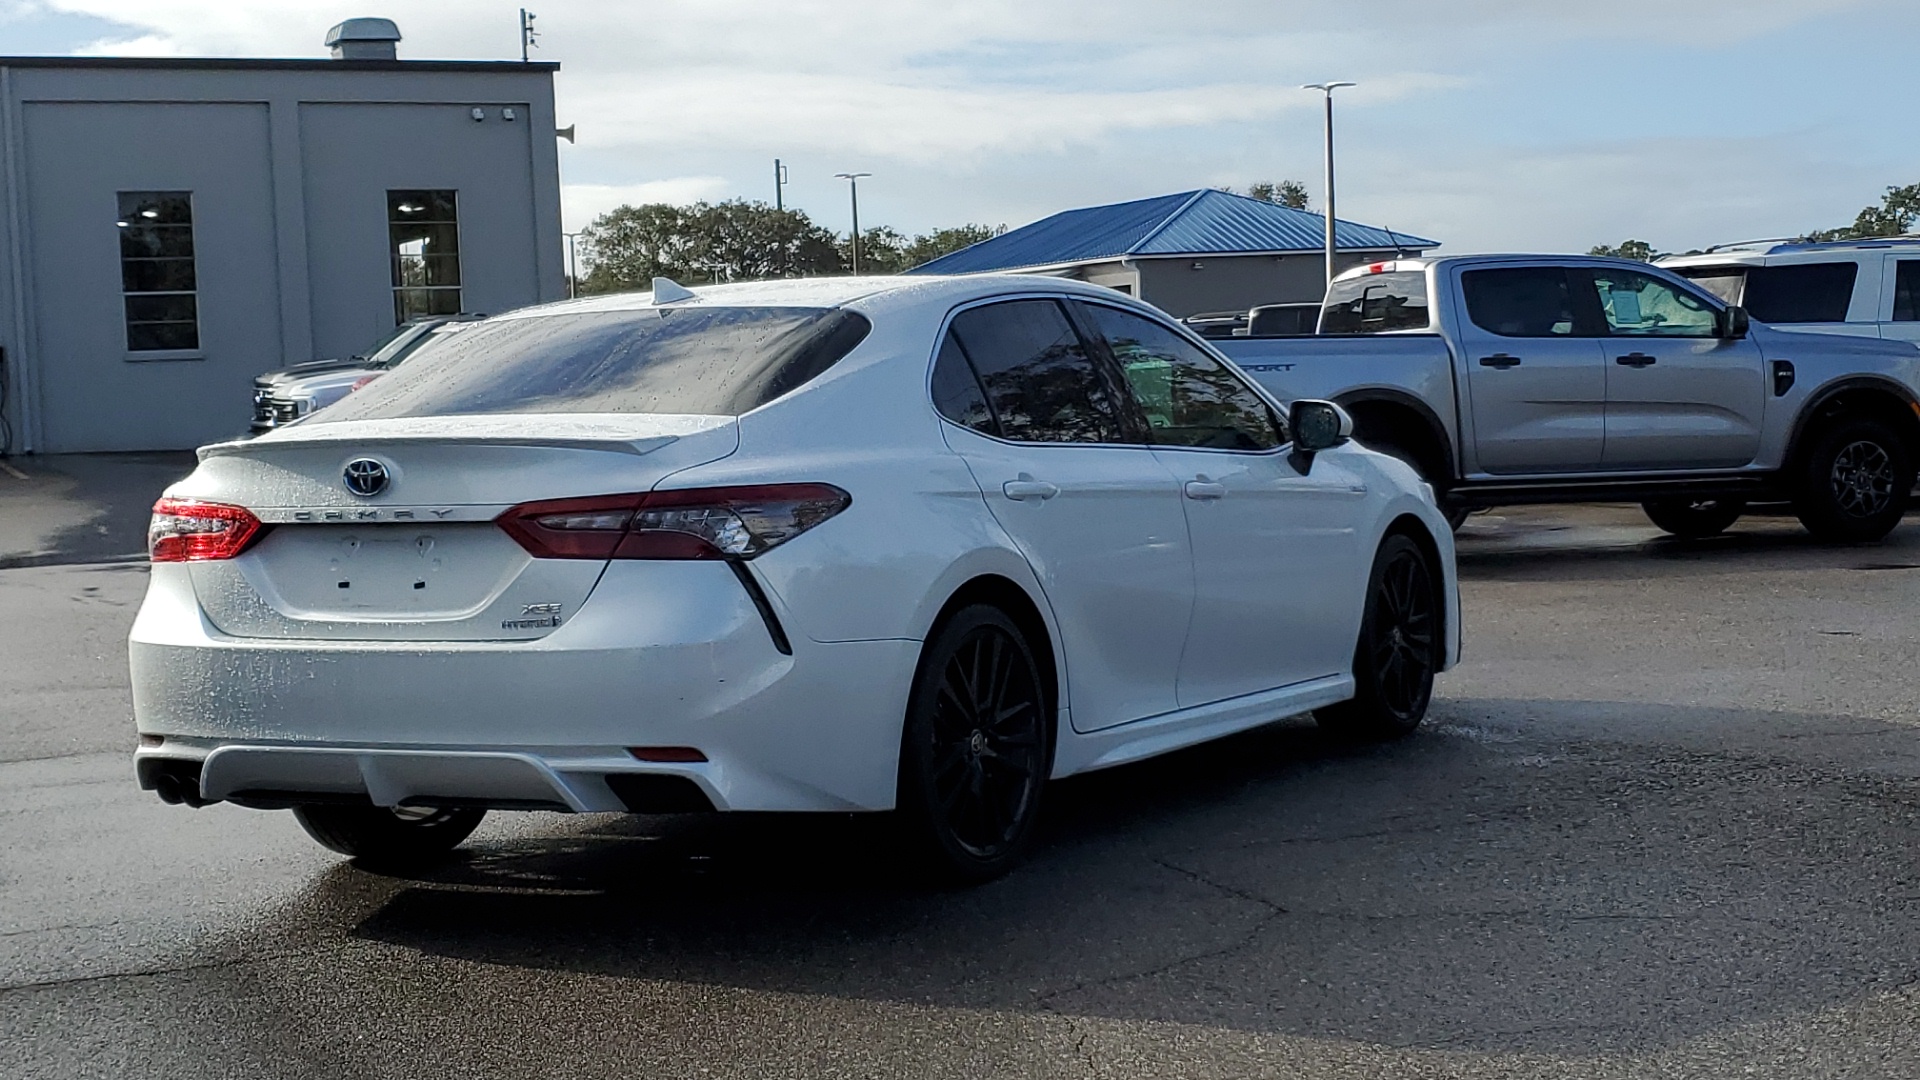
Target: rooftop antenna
(668,291)
(1399,249)
(527,34)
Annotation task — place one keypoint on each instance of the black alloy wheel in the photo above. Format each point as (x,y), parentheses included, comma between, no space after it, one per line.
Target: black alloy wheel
(977,749)
(1856,482)
(1694,519)
(1399,650)
(400,837)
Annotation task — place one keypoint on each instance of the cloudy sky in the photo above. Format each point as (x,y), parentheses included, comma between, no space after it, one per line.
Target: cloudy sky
(1488,124)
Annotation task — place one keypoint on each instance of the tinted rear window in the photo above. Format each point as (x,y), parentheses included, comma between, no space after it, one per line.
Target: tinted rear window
(700,360)
(1808,292)
(1520,301)
(1376,303)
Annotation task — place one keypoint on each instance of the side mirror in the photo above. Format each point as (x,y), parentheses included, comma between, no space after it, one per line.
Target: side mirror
(1316,426)
(1735,323)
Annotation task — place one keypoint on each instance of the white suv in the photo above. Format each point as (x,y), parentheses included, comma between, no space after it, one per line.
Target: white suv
(1865,287)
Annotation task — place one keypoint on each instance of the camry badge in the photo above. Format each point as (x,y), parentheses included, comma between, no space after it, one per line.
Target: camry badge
(365,477)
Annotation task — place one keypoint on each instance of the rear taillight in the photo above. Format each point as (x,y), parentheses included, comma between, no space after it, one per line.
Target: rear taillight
(184,530)
(698,523)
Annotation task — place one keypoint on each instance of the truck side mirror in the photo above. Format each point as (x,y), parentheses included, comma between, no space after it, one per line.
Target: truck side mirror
(1316,426)
(1735,323)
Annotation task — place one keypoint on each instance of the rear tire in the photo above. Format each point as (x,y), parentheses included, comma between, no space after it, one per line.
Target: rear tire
(1694,519)
(977,749)
(1855,483)
(1400,647)
(389,837)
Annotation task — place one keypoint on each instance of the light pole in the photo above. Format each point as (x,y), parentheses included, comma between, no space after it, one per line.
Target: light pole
(853,193)
(573,266)
(1328,88)
(779,185)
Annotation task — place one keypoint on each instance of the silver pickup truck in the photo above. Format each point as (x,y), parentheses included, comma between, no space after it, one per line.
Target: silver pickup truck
(1508,379)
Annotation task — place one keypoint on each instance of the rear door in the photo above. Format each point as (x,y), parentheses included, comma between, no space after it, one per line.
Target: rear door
(1536,375)
(1095,513)
(1679,396)
(1277,562)
(1902,302)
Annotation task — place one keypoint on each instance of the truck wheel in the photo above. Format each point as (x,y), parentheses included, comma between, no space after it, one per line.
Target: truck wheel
(397,838)
(1855,483)
(1694,519)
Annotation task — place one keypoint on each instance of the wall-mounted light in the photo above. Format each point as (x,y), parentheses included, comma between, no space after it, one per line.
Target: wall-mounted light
(479,114)
(507,114)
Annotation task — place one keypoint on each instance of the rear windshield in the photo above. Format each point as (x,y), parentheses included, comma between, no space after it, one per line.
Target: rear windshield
(1376,303)
(698,360)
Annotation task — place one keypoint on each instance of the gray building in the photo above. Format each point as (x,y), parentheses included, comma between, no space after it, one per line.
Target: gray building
(1190,252)
(170,228)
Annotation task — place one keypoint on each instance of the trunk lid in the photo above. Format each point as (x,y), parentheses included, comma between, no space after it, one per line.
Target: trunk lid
(420,559)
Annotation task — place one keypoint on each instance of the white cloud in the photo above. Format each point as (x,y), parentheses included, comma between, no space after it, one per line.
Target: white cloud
(581,203)
(1002,110)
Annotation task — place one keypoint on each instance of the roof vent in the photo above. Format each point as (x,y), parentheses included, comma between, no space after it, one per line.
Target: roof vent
(364,39)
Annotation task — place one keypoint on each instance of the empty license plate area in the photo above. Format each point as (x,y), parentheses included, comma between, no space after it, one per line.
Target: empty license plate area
(382,571)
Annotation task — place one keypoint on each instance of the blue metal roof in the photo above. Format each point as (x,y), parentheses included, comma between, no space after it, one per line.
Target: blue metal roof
(1204,222)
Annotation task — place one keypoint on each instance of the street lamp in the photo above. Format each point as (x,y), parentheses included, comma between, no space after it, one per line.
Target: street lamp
(1328,88)
(853,193)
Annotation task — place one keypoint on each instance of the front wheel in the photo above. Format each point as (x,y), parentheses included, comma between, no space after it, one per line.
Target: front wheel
(1399,649)
(400,837)
(1694,519)
(1855,483)
(977,749)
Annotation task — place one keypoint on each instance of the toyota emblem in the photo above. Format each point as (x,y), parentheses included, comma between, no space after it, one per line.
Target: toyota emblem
(365,477)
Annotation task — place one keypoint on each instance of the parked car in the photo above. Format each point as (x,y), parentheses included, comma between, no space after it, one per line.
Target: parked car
(832,545)
(281,397)
(1510,379)
(1865,287)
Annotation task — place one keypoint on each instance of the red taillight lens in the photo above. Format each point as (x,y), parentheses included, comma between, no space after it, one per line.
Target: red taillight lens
(187,531)
(698,523)
(362,381)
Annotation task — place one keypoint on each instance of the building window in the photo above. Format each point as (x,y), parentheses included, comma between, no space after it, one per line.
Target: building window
(423,229)
(156,270)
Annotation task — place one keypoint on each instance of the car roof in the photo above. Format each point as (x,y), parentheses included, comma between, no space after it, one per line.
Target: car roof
(825,292)
(1762,252)
(1392,266)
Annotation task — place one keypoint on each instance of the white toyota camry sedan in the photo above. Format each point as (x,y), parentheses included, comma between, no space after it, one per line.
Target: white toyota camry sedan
(907,544)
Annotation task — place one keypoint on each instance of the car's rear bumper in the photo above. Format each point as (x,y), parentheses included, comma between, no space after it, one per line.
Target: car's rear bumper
(544,722)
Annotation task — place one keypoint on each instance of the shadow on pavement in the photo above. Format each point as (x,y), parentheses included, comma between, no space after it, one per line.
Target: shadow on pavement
(82,508)
(1473,887)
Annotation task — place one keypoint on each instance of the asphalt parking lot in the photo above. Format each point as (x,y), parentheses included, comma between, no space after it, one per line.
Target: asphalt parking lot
(1661,823)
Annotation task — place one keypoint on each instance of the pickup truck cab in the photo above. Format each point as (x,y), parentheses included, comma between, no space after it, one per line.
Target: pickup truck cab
(1508,379)
(1866,287)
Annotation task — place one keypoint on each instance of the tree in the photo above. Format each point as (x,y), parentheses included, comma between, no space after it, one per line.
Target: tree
(1895,216)
(930,246)
(1289,193)
(626,248)
(1627,249)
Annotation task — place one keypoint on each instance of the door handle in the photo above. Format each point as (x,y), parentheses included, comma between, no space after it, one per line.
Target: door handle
(1635,359)
(1500,360)
(1028,488)
(1205,489)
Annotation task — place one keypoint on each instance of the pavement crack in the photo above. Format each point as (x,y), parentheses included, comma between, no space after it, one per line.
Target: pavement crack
(1273,912)
(140,973)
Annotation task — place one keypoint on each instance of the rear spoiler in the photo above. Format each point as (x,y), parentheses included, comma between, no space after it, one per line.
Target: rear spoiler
(637,446)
